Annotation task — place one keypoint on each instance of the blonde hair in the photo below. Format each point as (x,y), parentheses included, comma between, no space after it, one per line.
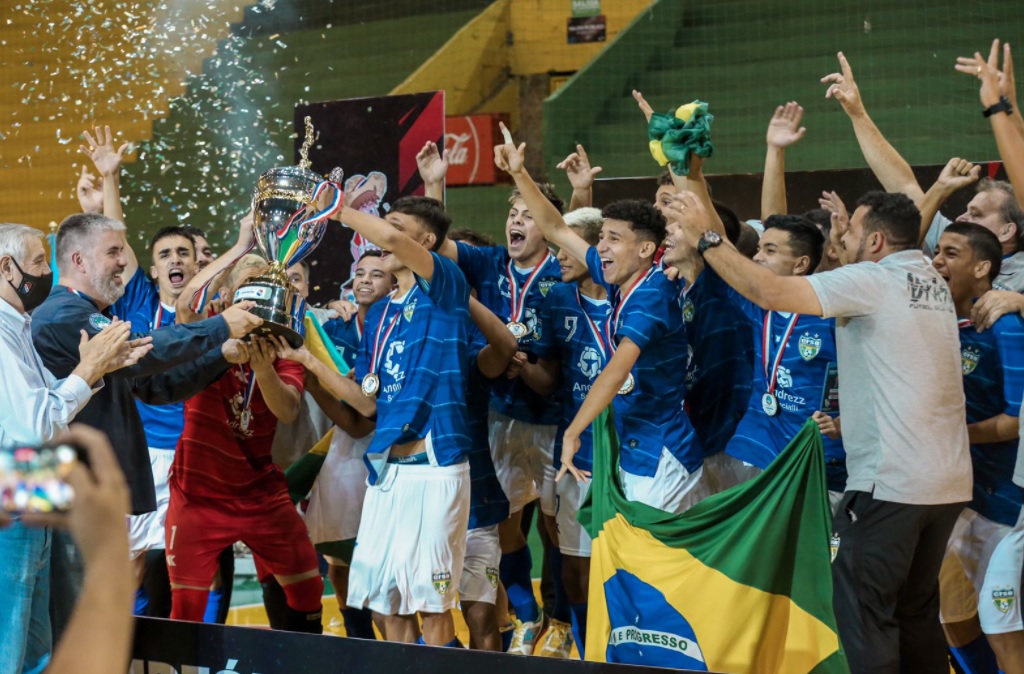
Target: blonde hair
(244,264)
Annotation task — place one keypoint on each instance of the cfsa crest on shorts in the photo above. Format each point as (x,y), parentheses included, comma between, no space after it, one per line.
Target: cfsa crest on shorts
(442,581)
(1003,598)
(809,346)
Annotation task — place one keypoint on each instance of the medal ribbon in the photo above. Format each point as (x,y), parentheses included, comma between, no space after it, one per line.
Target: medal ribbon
(378,342)
(359,328)
(613,317)
(519,296)
(594,330)
(771,378)
(963,323)
(159,316)
(250,387)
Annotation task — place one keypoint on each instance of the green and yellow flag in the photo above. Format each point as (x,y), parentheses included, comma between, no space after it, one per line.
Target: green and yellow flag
(739,583)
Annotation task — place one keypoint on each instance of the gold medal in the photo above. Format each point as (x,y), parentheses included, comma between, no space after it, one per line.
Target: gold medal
(628,385)
(370,385)
(518,330)
(770,404)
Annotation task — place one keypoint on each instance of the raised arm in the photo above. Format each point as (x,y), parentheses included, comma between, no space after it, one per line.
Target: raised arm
(341,388)
(1007,130)
(108,162)
(783,130)
(956,174)
(1007,86)
(509,158)
(389,237)
(840,220)
(189,306)
(581,176)
(891,169)
(757,283)
(433,167)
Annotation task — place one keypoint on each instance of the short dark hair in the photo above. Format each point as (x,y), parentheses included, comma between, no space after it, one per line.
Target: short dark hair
(193,231)
(804,236)
(666,179)
(821,218)
(171,230)
(730,221)
(894,215)
(305,267)
(983,243)
(428,211)
(547,189)
(747,241)
(370,252)
(644,219)
(470,236)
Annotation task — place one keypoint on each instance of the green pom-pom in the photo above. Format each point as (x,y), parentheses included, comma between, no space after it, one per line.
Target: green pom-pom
(679,139)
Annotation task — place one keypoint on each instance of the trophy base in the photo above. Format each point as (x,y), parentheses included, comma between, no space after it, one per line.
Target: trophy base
(281,309)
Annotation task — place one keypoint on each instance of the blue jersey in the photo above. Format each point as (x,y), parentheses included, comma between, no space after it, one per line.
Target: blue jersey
(346,337)
(141,306)
(993,366)
(488,504)
(422,363)
(721,360)
(574,334)
(807,375)
(651,419)
(487,269)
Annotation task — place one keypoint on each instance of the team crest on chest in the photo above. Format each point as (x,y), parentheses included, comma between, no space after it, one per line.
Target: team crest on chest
(969,357)
(442,581)
(98,321)
(809,346)
(1003,598)
(408,310)
(688,310)
(545,286)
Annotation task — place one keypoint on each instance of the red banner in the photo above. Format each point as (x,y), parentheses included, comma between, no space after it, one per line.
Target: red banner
(470,141)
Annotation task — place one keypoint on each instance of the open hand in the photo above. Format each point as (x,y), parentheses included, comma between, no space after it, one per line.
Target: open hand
(994,83)
(101,150)
(286,351)
(831,202)
(89,191)
(993,305)
(433,165)
(262,354)
(570,446)
(784,128)
(689,212)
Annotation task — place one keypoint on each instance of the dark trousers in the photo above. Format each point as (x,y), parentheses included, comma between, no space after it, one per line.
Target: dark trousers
(886,584)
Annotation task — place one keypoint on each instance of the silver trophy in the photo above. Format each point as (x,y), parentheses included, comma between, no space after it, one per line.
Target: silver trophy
(287,229)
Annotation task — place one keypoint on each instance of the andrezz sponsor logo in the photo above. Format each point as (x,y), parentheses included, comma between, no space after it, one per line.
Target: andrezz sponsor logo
(641,637)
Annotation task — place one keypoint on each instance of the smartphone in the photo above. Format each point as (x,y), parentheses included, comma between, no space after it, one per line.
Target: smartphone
(31,478)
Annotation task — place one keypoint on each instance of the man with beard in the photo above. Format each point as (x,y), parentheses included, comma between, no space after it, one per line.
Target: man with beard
(92,260)
(906,442)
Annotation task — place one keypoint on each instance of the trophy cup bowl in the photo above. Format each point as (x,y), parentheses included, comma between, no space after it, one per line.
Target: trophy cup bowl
(280,203)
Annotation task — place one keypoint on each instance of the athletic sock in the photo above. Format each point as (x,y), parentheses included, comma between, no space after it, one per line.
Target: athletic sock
(579,625)
(275,602)
(358,623)
(560,611)
(976,657)
(188,604)
(213,605)
(310,622)
(515,574)
(454,643)
(304,612)
(141,602)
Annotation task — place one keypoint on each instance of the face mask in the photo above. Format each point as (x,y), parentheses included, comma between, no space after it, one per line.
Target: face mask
(33,290)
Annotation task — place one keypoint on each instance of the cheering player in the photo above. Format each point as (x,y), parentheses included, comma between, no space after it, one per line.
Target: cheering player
(981,574)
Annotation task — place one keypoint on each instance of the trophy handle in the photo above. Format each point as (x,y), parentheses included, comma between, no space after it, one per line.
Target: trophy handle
(311,229)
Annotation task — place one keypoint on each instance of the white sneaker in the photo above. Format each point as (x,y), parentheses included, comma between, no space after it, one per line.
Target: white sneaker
(524,638)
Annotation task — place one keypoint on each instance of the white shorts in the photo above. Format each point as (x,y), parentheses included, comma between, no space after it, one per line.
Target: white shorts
(549,492)
(412,540)
(981,573)
(146,532)
(480,572)
(520,451)
(573,539)
(336,501)
(724,471)
(672,488)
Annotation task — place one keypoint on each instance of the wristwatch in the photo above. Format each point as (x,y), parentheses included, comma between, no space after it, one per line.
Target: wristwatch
(1002,106)
(708,239)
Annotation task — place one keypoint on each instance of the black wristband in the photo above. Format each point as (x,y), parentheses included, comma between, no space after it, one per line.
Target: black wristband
(1002,106)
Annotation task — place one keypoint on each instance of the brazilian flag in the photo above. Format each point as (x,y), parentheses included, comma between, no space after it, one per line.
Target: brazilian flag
(739,583)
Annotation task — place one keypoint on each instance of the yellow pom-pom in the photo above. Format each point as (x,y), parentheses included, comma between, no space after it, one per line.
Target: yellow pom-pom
(658,153)
(685,112)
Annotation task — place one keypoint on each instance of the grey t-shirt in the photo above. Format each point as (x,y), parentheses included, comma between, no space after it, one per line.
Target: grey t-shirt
(1011,273)
(900,379)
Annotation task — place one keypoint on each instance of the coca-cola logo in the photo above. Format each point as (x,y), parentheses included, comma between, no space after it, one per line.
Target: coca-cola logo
(463,146)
